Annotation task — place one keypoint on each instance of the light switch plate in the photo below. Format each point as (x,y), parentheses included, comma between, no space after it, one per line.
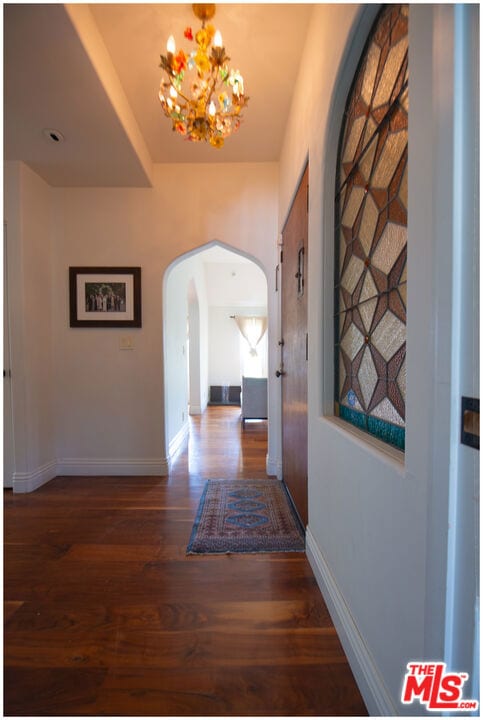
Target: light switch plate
(126,343)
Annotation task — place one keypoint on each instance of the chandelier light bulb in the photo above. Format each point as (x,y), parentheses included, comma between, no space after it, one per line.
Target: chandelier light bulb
(171,45)
(208,95)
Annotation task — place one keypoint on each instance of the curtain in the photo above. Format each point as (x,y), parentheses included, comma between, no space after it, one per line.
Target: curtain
(252,329)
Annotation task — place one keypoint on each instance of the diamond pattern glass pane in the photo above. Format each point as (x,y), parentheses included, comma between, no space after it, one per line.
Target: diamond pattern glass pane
(389,335)
(353,140)
(353,205)
(367,376)
(369,288)
(369,77)
(352,274)
(389,247)
(389,159)
(352,341)
(371,235)
(392,68)
(367,310)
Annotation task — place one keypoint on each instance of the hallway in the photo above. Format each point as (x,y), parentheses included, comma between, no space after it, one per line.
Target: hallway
(105,614)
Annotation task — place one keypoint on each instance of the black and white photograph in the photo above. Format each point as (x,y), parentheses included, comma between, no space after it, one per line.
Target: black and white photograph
(105,297)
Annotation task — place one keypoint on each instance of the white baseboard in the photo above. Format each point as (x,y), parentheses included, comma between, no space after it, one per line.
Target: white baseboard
(25,482)
(108,466)
(177,442)
(274,467)
(376,696)
(195,410)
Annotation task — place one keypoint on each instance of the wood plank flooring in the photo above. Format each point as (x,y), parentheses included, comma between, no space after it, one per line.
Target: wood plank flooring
(106,615)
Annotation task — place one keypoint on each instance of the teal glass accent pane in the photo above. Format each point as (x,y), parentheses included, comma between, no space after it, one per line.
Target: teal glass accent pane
(385,431)
(353,416)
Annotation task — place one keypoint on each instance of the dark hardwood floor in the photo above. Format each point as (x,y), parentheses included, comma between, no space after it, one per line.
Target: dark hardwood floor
(106,615)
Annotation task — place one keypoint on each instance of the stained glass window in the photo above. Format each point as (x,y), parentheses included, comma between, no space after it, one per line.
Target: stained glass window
(371,236)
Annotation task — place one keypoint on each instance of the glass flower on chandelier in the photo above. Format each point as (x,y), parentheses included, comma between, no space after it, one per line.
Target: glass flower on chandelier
(200,94)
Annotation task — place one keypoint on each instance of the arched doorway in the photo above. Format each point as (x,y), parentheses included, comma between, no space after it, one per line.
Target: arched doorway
(203,290)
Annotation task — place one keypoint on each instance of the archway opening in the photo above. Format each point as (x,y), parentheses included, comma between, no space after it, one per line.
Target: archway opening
(206,293)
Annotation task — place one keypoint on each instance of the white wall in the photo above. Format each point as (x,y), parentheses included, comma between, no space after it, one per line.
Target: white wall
(81,404)
(109,402)
(186,278)
(224,348)
(195,398)
(27,211)
(378,520)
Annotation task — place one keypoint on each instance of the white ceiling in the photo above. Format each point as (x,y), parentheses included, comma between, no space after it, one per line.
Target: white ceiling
(92,72)
(232,280)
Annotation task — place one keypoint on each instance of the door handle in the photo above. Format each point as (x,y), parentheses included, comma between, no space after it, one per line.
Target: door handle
(470,422)
(278,373)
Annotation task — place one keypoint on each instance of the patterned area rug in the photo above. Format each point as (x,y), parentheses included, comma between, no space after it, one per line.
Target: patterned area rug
(245,516)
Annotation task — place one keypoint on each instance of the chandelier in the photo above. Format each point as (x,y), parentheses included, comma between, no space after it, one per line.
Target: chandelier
(199,93)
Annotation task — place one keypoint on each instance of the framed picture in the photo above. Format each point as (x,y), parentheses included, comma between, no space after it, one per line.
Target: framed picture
(105,296)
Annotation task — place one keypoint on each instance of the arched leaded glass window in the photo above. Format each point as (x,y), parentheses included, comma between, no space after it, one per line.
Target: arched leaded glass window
(371,235)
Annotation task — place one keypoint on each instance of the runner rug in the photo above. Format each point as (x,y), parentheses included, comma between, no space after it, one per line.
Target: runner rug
(245,516)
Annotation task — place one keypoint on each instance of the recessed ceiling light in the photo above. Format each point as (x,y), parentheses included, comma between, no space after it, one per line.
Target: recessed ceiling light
(53,136)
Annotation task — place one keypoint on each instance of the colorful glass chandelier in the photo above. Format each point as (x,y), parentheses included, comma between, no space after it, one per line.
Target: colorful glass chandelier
(199,93)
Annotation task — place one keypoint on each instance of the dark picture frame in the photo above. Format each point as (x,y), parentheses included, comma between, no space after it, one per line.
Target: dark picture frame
(105,297)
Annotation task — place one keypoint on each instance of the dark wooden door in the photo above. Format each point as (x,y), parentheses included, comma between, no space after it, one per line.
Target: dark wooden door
(295,348)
